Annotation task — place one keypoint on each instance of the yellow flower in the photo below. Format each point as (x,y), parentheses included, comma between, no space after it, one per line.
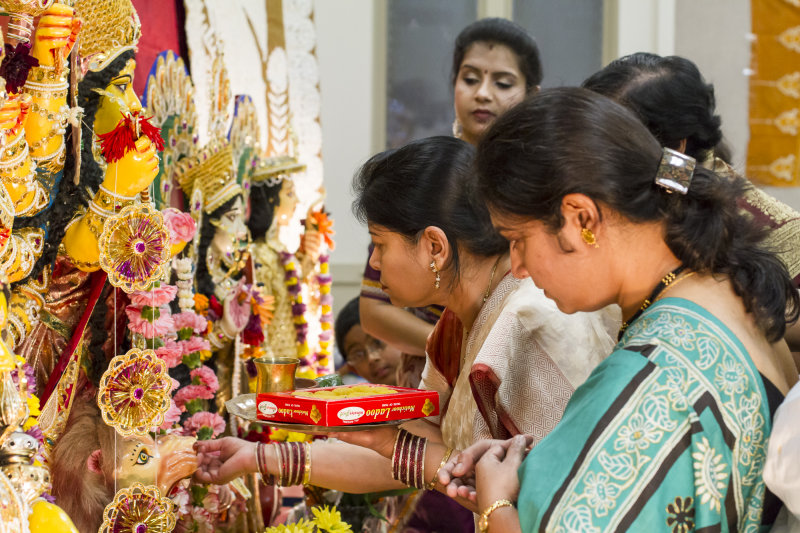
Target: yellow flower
(329,520)
(33,408)
(303,526)
(307,373)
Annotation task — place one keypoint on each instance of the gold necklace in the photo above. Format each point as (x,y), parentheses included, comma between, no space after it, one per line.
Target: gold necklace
(491,279)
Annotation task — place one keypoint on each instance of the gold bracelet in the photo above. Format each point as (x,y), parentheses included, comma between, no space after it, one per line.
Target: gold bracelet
(446,457)
(483,523)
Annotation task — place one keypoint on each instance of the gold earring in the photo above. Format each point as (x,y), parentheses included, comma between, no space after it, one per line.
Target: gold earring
(588,237)
(435,271)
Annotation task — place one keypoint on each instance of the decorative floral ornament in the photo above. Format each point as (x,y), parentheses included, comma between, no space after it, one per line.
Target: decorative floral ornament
(134,392)
(134,247)
(138,509)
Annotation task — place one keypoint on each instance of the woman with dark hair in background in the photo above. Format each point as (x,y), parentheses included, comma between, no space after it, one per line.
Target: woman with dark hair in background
(671,98)
(672,427)
(495,65)
(503,358)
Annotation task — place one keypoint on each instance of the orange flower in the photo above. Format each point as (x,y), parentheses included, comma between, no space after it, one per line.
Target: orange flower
(324,224)
(201,304)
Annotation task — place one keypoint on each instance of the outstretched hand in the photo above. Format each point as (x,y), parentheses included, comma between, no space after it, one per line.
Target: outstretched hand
(223,460)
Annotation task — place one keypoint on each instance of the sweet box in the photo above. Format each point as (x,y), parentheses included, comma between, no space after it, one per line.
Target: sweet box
(347,405)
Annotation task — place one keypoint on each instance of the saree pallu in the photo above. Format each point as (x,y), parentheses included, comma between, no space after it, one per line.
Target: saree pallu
(669,433)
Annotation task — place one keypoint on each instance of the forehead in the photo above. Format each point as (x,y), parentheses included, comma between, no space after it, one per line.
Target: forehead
(508,222)
(493,57)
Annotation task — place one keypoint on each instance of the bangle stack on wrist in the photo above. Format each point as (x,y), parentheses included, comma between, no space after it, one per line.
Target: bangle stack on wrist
(408,459)
(294,463)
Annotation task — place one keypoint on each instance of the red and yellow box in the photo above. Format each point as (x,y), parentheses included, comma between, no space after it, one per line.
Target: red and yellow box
(347,405)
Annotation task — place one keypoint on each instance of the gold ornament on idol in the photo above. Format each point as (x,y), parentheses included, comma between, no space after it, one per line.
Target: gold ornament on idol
(436,271)
(588,237)
(139,509)
(134,392)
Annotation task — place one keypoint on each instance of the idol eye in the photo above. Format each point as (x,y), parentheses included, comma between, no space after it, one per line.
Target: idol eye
(143,458)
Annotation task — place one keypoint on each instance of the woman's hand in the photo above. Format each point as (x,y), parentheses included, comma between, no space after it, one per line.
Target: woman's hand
(223,460)
(381,440)
(496,472)
(458,474)
(57,30)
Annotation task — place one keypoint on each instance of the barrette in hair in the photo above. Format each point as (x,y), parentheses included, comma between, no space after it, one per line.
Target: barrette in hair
(675,171)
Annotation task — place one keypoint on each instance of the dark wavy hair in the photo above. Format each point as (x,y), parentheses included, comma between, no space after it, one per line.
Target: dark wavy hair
(572,140)
(510,34)
(427,183)
(264,199)
(669,95)
(68,196)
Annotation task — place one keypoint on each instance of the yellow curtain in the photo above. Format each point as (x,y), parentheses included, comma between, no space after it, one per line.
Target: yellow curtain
(773,154)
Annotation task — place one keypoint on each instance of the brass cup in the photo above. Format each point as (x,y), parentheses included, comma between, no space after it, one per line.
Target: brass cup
(275,374)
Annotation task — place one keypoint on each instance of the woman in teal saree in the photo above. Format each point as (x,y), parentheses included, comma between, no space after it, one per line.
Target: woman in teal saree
(670,431)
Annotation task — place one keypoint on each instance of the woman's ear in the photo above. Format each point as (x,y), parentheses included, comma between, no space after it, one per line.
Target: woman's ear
(582,222)
(435,246)
(94,463)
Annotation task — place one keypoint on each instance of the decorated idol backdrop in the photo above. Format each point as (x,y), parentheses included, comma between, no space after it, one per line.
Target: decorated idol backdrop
(139,280)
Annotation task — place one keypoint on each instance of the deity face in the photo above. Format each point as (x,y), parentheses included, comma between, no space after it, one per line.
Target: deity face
(287,203)
(143,460)
(116,100)
(231,234)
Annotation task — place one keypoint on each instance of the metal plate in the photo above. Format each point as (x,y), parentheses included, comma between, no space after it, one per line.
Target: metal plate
(244,406)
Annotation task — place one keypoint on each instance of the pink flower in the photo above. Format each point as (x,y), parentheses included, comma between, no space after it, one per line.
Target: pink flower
(171,355)
(172,415)
(181,225)
(192,392)
(175,384)
(195,344)
(204,419)
(154,298)
(160,327)
(190,319)
(206,377)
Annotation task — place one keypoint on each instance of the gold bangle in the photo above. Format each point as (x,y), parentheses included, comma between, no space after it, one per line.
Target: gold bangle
(483,523)
(307,466)
(446,457)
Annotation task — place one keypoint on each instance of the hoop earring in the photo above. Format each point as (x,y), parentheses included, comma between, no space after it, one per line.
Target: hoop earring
(588,237)
(435,271)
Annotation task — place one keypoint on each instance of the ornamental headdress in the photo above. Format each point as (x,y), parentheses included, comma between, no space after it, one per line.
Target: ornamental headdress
(110,28)
(208,176)
(169,98)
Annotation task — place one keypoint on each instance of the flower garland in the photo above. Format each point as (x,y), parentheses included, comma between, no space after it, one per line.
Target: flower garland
(324,280)
(292,281)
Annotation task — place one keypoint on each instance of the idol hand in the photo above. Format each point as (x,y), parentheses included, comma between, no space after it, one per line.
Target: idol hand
(57,30)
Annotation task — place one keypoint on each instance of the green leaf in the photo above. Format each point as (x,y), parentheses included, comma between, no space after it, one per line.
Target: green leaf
(192,360)
(150,314)
(205,433)
(199,492)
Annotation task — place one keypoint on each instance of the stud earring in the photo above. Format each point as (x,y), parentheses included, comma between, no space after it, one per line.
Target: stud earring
(588,237)
(435,271)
